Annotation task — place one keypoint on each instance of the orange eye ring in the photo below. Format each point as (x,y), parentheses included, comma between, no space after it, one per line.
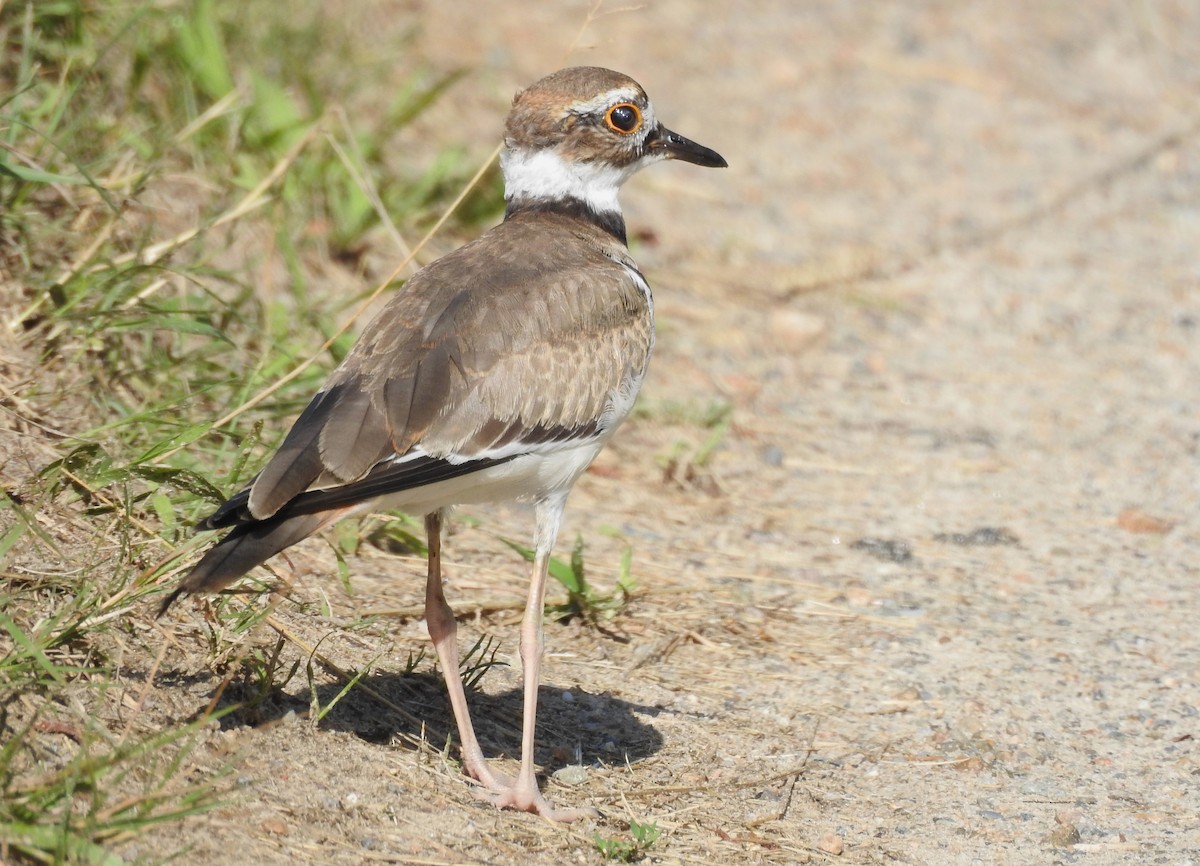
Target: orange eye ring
(624,118)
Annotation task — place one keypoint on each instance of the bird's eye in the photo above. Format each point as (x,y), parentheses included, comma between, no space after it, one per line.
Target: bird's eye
(624,118)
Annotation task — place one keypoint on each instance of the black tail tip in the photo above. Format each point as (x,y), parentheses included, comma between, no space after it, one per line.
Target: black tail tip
(168,601)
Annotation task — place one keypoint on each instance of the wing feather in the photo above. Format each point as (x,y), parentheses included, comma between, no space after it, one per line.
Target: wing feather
(354,437)
(297,463)
(464,368)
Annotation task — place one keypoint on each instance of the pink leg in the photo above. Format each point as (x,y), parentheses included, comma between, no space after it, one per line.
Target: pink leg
(524,795)
(443,631)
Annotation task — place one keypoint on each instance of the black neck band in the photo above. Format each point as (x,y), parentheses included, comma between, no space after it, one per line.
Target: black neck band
(611,222)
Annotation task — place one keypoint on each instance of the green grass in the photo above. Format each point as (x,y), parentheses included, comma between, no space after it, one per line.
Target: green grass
(642,837)
(687,463)
(177,183)
(584,600)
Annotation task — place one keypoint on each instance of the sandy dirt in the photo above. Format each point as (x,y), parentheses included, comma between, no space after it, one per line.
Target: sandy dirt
(931,600)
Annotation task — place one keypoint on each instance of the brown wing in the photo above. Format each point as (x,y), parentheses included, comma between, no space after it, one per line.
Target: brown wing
(516,340)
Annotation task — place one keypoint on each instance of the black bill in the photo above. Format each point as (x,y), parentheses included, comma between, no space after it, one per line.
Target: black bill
(678,147)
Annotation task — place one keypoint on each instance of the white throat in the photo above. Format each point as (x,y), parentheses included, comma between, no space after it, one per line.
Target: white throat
(546,176)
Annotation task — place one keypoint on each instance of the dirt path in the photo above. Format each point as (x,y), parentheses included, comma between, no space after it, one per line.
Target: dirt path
(933,598)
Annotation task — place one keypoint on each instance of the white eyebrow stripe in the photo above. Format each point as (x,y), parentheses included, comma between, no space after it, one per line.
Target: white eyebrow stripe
(612,97)
(604,100)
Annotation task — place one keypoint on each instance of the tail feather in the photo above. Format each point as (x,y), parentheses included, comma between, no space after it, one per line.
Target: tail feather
(246,546)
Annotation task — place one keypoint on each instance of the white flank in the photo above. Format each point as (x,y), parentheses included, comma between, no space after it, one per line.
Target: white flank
(528,476)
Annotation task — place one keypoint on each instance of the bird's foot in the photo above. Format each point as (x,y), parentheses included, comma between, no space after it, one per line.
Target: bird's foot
(492,781)
(503,792)
(527,798)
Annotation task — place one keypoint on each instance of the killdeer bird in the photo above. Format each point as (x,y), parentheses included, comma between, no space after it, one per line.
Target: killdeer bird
(497,372)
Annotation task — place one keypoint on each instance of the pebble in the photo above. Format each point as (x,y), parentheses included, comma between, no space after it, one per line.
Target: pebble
(795,330)
(572,774)
(1064,836)
(831,843)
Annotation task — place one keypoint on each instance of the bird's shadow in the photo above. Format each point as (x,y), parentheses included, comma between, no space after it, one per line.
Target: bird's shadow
(389,707)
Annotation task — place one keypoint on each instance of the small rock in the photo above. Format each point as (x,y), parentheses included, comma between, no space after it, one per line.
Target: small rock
(1064,836)
(794,330)
(886,549)
(572,774)
(831,843)
(1140,523)
(970,725)
(984,536)
(772,455)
